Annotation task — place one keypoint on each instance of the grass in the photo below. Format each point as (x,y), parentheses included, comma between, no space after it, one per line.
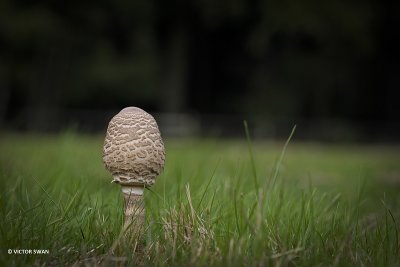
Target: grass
(216,204)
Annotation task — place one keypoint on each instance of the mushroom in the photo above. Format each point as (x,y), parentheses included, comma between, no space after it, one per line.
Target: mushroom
(134,154)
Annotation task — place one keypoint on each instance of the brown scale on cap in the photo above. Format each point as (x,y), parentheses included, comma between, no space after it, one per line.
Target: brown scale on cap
(133,149)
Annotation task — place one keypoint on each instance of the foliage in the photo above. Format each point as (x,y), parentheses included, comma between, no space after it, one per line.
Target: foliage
(286,58)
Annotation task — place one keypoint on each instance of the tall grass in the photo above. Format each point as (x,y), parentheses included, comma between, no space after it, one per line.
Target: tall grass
(217,203)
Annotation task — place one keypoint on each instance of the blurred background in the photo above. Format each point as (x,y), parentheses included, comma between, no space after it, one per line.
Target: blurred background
(201,67)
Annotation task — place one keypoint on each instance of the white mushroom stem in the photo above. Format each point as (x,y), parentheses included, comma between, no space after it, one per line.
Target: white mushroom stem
(134,207)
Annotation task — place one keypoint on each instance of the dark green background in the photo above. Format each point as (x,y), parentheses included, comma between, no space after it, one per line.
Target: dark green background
(331,63)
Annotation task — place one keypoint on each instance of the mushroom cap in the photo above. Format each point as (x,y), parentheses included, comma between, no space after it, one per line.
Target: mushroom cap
(133,149)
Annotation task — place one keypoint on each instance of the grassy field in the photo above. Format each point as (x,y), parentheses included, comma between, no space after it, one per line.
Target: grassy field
(216,204)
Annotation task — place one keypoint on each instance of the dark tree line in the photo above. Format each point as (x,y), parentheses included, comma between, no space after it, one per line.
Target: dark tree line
(288,59)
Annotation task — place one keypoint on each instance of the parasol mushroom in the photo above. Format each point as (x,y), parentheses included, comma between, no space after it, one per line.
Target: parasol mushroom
(134,154)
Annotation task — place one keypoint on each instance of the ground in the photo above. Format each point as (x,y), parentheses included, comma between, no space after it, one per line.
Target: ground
(216,203)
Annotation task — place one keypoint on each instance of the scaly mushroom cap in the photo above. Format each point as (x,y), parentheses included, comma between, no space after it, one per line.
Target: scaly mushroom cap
(133,149)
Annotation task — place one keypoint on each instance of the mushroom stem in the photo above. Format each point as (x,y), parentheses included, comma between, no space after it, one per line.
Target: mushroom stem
(134,209)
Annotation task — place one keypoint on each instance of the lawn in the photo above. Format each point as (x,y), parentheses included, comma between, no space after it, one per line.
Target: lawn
(217,203)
